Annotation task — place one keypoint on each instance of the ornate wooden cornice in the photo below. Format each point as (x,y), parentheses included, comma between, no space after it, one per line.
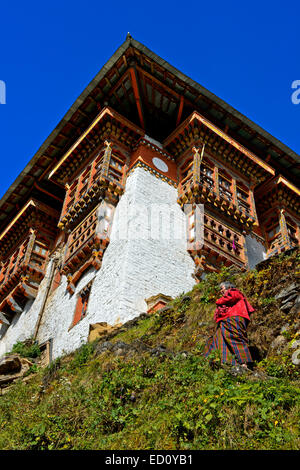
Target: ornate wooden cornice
(197,130)
(107,125)
(278,192)
(103,188)
(32,215)
(201,193)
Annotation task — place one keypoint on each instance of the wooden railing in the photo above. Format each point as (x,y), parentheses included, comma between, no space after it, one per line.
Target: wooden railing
(223,238)
(220,193)
(14,263)
(80,237)
(28,261)
(81,190)
(279,244)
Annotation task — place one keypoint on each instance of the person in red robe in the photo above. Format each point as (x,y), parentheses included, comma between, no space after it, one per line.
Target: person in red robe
(232,316)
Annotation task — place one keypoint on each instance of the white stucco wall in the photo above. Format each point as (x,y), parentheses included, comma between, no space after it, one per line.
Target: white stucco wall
(139,262)
(256,251)
(22,325)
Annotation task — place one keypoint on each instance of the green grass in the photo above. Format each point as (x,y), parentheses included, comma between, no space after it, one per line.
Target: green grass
(150,403)
(172,401)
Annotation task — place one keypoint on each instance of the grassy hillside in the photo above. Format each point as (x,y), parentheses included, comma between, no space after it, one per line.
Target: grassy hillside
(147,386)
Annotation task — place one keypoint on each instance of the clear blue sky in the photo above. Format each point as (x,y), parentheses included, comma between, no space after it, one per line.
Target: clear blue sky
(247,53)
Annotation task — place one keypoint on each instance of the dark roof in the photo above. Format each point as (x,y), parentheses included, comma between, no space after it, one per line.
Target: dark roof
(102,89)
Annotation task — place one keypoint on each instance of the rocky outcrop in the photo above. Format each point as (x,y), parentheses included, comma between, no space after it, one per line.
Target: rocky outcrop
(13,367)
(289,298)
(124,349)
(100,330)
(103,330)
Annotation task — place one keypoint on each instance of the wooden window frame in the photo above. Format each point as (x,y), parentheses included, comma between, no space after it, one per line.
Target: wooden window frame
(81,304)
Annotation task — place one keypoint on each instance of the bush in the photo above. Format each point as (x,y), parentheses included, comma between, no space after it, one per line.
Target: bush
(27,349)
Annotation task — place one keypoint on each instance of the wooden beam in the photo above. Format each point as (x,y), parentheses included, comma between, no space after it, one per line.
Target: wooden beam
(195,116)
(3,319)
(15,307)
(180,110)
(137,96)
(30,203)
(119,83)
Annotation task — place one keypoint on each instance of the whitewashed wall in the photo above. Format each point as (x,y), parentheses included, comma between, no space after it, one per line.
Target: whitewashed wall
(256,251)
(135,266)
(22,326)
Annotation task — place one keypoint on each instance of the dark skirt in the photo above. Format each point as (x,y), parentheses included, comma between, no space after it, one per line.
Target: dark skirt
(231,340)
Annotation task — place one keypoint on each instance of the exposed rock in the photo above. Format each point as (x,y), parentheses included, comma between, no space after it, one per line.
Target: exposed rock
(260,375)
(160,349)
(287,291)
(287,307)
(238,370)
(184,354)
(296,357)
(10,364)
(121,348)
(296,307)
(278,343)
(167,308)
(295,344)
(290,297)
(13,367)
(98,330)
(203,323)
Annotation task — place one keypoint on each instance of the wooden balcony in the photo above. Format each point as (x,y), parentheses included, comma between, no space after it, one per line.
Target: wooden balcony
(204,191)
(281,244)
(85,247)
(24,251)
(222,246)
(104,178)
(22,272)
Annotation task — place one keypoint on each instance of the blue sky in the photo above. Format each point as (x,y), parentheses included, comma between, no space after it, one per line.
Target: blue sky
(248,54)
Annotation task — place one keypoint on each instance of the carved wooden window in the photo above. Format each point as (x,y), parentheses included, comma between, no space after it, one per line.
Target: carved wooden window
(292,230)
(117,162)
(81,235)
(273,233)
(40,249)
(39,254)
(71,195)
(84,182)
(223,237)
(207,173)
(225,185)
(98,166)
(186,171)
(4,271)
(82,304)
(13,263)
(242,193)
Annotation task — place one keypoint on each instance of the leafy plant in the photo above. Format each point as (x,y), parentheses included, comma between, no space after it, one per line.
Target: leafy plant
(27,349)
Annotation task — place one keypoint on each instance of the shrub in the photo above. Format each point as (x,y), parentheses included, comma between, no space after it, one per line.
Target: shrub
(27,349)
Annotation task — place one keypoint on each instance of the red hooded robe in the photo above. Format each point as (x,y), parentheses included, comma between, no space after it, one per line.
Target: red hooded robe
(232,304)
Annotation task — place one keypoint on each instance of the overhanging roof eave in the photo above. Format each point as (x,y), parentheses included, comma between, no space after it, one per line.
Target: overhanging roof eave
(114,58)
(109,64)
(215,98)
